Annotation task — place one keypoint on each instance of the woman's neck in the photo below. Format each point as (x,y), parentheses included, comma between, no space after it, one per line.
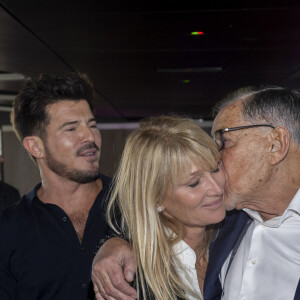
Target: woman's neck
(194,237)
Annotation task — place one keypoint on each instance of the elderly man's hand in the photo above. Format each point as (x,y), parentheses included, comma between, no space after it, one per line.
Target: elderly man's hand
(113,268)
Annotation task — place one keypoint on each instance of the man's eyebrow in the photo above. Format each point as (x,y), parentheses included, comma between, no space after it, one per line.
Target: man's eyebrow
(68,124)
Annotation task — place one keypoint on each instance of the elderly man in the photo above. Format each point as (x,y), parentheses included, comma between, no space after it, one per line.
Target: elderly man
(255,254)
(258,133)
(47,240)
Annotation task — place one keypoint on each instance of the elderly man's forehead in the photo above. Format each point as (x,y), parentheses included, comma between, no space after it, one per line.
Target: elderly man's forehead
(229,116)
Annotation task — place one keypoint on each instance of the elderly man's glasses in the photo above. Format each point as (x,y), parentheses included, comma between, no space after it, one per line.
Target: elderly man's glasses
(219,138)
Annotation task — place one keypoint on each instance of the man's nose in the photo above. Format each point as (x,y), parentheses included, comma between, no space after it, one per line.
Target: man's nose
(88,134)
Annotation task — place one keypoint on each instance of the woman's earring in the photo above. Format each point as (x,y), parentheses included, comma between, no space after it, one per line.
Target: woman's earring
(159,209)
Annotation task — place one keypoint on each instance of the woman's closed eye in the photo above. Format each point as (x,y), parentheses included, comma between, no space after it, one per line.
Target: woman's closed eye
(194,184)
(217,169)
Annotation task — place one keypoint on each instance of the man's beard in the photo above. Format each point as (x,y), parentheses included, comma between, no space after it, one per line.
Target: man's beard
(61,169)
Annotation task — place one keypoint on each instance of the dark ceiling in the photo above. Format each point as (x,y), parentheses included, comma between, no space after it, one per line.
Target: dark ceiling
(141,55)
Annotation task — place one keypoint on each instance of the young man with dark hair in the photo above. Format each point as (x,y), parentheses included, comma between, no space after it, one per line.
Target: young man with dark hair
(48,239)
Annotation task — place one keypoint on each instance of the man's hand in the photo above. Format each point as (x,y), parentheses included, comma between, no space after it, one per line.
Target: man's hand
(113,268)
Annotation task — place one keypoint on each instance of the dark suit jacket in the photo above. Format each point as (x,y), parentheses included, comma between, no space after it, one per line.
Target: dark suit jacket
(230,230)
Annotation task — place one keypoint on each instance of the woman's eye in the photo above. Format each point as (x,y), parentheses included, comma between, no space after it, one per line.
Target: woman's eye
(193,185)
(215,170)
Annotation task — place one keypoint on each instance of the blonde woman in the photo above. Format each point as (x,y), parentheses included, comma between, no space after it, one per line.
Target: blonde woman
(168,189)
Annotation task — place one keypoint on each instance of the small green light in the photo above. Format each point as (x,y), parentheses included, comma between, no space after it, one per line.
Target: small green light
(186,81)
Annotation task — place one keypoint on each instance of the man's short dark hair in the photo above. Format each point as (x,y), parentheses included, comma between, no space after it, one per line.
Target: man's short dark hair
(29,116)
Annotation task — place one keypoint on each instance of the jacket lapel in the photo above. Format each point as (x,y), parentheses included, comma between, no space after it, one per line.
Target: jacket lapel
(228,233)
(297,294)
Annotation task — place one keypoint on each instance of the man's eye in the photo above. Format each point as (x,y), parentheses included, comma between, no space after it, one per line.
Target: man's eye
(226,142)
(218,142)
(70,129)
(193,185)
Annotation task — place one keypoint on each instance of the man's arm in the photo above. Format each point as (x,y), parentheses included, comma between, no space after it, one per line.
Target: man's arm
(113,269)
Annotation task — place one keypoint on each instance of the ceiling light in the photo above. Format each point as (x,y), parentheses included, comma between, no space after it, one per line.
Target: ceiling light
(11,76)
(5,108)
(114,126)
(190,70)
(7,97)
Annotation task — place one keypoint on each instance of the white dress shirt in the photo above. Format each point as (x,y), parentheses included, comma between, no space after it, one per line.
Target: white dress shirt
(267,263)
(187,257)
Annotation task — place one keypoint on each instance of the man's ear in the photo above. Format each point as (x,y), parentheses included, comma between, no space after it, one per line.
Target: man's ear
(280,139)
(34,145)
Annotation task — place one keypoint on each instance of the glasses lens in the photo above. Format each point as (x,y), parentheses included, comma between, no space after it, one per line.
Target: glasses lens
(218,140)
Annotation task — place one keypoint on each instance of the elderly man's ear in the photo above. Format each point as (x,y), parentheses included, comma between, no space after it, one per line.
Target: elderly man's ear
(34,145)
(280,143)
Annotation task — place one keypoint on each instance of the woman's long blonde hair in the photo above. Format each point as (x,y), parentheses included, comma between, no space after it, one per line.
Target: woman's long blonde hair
(155,155)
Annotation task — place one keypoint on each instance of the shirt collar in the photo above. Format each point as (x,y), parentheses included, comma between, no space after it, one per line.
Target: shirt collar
(185,254)
(292,209)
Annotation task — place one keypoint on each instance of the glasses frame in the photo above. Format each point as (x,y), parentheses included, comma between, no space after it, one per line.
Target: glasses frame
(221,132)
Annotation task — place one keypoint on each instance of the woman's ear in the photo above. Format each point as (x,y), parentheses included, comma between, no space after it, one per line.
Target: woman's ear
(34,145)
(280,139)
